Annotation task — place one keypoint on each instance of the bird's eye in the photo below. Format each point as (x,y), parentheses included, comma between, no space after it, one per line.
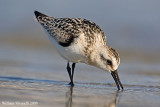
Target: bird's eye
(109,62)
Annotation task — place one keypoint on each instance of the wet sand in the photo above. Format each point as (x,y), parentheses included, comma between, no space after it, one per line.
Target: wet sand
(17,91)
(40,79)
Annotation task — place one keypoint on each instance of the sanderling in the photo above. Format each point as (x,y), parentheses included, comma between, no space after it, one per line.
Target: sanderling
(81,41)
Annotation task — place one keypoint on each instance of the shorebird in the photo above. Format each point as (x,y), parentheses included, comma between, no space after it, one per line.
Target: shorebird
(81,41)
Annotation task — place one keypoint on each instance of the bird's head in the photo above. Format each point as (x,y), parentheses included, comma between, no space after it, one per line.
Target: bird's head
(108,59)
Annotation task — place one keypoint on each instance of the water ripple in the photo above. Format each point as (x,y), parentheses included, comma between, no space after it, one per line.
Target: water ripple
(28,82)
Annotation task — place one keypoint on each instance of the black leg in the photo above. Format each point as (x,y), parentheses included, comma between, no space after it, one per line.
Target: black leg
(71,74)
(69,71)
(73,66)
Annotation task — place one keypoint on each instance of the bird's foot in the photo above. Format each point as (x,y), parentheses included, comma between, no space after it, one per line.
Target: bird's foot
(71,84)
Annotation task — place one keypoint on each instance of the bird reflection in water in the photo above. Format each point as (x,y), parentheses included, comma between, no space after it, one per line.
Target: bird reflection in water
(69,97)
(113,99)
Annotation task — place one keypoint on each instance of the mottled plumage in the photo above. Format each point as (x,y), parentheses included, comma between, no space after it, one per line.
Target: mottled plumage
(64,30)
(80,40)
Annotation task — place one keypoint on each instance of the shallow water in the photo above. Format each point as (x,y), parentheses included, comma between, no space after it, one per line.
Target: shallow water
(50,92)
(40,79)
(33,74)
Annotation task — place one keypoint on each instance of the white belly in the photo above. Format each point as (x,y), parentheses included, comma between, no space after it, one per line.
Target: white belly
(71,53)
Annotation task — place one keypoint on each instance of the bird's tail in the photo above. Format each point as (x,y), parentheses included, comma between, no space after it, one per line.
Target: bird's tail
(42,18)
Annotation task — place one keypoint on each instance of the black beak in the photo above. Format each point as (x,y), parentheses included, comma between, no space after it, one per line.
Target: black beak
(116,79)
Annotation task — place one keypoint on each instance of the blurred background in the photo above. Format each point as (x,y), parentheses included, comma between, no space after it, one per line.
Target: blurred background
(132,27)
